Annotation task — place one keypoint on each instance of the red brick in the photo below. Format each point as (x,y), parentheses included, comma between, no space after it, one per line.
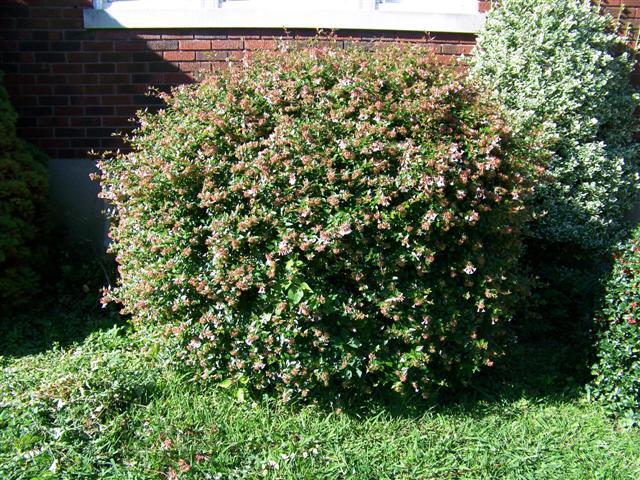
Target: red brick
(72,13)
(140,67)
(116,99)
(45,12)
(85,121)
(65,23)
(35,90)
(227,44)
(82,57)
(176,78)
(67,68)
(114,79)
(81,79)
(85,100)
(66,98)
(115,57)
(130,45)
(195,44)
(195,66)
(97,46)
(116,122)
(115,35)
(53,121)
(52,143)
(33,23)
(260,44)
(236,55)
(99,89)
(178,55)
(156,45)
(213,55)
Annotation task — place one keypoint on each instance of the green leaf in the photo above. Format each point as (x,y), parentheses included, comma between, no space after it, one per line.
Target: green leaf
(295,296)
(226,383)
(240,395)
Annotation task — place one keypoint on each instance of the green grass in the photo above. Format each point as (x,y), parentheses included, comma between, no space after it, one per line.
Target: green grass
(102,409)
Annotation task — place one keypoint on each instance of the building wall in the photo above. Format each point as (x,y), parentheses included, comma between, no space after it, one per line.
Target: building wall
(75,88)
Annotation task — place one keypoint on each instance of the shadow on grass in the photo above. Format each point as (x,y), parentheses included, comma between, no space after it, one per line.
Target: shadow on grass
(549,372)
(550,361)
(40,328)
(66,311)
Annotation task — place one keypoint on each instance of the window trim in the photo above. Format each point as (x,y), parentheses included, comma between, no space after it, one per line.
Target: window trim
(365,19)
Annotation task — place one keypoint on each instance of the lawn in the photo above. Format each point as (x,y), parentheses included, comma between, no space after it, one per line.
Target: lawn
(82,404)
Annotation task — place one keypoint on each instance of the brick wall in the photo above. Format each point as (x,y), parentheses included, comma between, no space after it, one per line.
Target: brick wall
(628,10)
(73,88)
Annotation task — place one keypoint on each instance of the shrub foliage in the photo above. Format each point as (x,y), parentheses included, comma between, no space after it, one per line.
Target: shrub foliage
(617,371)
(324,220)
(23,197)
(562,66)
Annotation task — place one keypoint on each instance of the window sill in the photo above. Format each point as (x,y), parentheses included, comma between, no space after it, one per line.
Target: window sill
(330,20)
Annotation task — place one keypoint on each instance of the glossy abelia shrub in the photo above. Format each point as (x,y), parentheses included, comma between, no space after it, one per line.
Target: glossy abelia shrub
(561,66)
(617,372)
(323,221)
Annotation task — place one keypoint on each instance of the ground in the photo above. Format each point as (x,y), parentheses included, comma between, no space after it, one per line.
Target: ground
(80,397)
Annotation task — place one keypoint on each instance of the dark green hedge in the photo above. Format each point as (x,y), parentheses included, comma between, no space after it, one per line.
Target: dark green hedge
(617,371)
(23,206)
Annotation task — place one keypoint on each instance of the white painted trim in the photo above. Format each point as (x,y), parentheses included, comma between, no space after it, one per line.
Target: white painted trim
(260,18)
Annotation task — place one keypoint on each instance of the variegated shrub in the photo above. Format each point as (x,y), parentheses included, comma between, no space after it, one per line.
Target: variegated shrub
(561,66)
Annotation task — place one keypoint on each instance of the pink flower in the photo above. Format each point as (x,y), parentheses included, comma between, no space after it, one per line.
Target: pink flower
(183,466)
(345,229)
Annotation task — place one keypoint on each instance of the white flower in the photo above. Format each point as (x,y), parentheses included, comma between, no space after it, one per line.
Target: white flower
(377,146)
(469,269)
(473,217)
(284,247)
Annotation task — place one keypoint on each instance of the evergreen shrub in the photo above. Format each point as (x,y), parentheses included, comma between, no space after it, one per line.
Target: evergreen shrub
(563,67)
(23,207)
(617,371)
(322,220)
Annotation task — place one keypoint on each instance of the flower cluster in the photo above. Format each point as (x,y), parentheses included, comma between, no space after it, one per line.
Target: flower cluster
(617,372)
(324,220)
(561,67)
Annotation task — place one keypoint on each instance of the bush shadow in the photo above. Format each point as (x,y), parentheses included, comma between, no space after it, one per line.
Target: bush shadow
(553,342)
(66,310)
(534,372)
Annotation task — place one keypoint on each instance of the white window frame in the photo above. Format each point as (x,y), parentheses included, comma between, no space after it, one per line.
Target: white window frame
(456,16)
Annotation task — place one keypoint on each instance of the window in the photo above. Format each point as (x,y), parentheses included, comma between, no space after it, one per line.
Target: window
(413,15)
